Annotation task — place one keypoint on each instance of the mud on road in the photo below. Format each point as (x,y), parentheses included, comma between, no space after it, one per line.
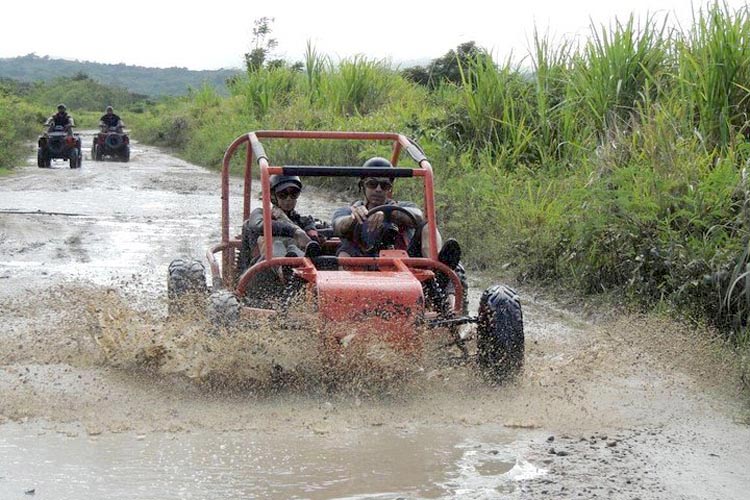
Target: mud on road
(102,397)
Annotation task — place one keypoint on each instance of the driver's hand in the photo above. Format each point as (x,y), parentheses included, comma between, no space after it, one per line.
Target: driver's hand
(359,213)
(375,221)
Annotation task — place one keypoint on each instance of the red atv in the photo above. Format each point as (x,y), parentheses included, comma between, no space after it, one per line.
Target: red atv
(392,296)
(59,143)
(111,142)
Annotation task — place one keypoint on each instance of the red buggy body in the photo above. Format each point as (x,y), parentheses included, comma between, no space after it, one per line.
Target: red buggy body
(391,296)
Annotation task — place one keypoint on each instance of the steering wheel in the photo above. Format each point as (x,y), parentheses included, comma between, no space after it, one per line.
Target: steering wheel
(390,229)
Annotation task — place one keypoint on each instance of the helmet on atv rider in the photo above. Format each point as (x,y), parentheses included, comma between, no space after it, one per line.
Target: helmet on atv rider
(108,109)
(282,182)
(61,107)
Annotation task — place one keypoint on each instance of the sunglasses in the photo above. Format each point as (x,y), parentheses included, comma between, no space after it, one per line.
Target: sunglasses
(385,185)
(289,193)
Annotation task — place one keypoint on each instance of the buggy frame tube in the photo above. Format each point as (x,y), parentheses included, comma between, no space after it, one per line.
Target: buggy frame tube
(255,152)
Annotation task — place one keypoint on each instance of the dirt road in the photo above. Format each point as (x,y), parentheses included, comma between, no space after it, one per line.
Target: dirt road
(101,397)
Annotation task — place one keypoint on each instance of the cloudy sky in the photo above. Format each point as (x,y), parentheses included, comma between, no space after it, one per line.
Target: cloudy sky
(215,34)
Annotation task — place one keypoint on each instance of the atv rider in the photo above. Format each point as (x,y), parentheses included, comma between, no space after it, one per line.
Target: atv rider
(110,120)
(292,232)
(362,236)
(61,119)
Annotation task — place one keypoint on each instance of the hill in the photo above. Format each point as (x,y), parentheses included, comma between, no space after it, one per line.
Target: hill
(138,79)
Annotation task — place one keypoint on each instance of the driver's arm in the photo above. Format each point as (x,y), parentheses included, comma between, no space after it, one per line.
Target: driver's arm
(344,219)
(404,220)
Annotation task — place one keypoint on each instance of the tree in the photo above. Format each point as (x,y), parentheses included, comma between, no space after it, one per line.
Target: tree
(261,44)
(447,67)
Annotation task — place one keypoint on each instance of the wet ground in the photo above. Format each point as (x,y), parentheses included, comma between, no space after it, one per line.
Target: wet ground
(102,397)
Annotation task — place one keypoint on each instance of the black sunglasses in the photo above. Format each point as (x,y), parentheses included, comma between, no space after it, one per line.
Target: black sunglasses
(385,185)
(289,193)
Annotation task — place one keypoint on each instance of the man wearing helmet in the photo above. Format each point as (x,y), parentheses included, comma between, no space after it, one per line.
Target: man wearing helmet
(61,119)
(360,234)
(291,231)
(110,120)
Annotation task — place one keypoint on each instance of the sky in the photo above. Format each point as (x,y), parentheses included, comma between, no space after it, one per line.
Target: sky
(215,34)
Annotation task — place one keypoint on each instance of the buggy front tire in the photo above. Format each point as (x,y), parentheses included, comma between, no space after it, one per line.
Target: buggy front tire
(186,279)
(500,336)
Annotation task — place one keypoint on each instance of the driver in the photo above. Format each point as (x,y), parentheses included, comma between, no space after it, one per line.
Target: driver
(361,235)
(61,119)
(110,120)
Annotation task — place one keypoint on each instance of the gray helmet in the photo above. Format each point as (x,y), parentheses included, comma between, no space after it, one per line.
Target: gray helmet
(377,161)
(281,182)
(61,107)
(109,108)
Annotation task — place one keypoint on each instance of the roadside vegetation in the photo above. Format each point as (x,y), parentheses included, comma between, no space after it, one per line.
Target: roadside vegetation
(617,165)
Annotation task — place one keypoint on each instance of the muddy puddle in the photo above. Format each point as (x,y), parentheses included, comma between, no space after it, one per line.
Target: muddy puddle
(102,395)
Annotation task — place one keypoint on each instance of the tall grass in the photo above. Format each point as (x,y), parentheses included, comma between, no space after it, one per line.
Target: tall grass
(356,86)
(714,73)
(19,122)
(618,67)
(613,165)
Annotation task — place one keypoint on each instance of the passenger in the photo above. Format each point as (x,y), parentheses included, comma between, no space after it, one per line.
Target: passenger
(61,119)
(291,231)
(110,120)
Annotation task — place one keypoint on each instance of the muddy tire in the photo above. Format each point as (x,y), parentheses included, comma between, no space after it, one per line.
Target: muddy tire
(74,159)
(125,154)
(461,272)
(223,309)
(186,284)
(41,159)
(500,337)
(113,141)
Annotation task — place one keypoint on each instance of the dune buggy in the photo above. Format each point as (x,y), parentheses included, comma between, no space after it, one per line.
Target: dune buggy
(59,143)
(112,143)
(392,296)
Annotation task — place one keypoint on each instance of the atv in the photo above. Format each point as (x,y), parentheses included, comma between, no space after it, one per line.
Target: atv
(59,143)
(391,297)
(111,142)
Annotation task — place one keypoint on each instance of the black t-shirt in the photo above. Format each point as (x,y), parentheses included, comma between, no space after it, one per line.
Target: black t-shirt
(110,120)
(61,118)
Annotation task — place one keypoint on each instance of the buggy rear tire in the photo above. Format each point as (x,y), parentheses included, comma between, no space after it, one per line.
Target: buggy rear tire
(223,309)
(461,272)
(500,337)
(186,279)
